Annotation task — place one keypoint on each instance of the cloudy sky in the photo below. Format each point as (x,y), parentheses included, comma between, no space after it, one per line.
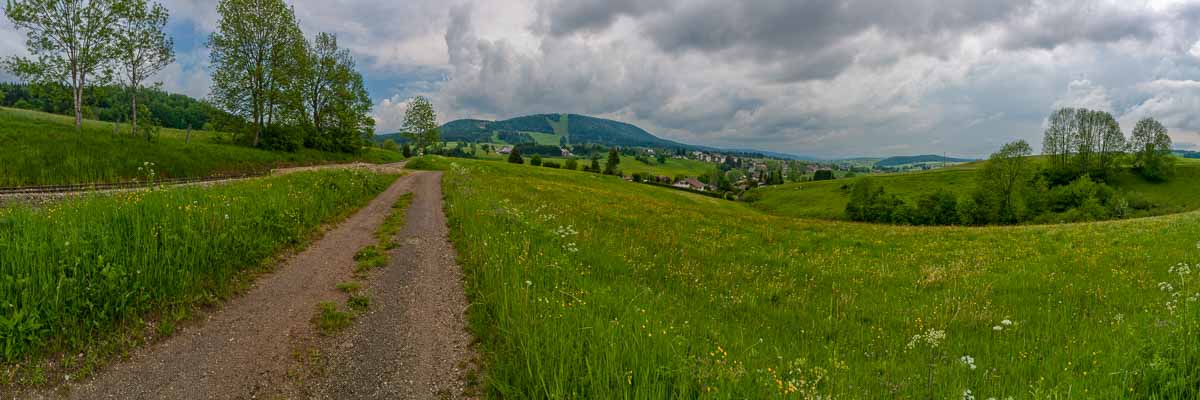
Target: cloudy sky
(819,77)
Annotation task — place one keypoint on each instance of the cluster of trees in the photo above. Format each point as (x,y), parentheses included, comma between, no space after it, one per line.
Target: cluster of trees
(285,90)
(1083,149)
(293,92)
(1082,142)
(83,43)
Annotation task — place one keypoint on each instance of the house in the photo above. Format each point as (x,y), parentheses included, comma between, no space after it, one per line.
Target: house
(692,183)
(565,152)
(505,150)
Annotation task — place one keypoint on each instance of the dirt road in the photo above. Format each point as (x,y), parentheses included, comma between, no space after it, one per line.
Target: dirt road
(412,344)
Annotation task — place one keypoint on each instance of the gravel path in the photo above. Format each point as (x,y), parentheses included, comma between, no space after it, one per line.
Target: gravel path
(413,344)
(248,349)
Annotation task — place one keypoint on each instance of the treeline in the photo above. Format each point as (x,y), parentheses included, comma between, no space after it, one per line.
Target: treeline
(281,90)
(111,103)
(1083,149)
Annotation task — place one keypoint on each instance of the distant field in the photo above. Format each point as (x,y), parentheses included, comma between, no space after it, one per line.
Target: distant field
(44,149)
(585,286)
(827,199)
(630,165)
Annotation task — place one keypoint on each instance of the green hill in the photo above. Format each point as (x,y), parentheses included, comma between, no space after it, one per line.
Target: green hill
(44,149)
(585,286)
(827,199)
(929,158)
(549,129)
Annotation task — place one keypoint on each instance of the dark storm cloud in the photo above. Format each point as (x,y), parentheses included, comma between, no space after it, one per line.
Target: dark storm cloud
(563,17)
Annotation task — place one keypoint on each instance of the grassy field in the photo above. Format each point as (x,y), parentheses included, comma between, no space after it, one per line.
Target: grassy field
(44,149)
(827,199)
(76,270)
(585,286)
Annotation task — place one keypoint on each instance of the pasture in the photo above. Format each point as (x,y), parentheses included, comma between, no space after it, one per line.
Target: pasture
(585,286)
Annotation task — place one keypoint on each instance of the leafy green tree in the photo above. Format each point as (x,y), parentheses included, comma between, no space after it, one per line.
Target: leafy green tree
(407,150)
(823,175)
(70,42)
(389,145)
(571,164)
(1003,180)
(614,159)
(595,167)
(515,157)
(252,53)
(536,160)
(420,124)
(1080,141)
(142,48)
(1151,146)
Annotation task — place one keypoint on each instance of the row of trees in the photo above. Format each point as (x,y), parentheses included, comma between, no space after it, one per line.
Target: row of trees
(112,103)
(1082,150)
(288,91)
(1082,142)
(291,91)
(79,43)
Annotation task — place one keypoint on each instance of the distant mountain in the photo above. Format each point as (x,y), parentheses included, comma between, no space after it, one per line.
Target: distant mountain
(1187,153)
(928,158)
(578,129)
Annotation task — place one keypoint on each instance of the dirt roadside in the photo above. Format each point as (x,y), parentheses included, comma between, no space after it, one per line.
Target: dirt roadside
(245,349)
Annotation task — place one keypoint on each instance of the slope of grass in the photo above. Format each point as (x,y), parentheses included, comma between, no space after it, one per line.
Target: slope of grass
(44,149)
(827,199)
(72,271)
(584,286)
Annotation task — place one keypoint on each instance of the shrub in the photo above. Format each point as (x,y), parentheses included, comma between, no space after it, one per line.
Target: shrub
(536,160)
(823,175)
(571,164)
(515,157)
(551,164)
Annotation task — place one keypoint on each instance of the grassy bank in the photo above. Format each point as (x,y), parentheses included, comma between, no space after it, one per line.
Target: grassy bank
(44,149)
(73,271)
(585,286)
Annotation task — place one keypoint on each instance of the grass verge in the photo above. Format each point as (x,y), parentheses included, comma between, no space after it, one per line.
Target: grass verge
(76,274)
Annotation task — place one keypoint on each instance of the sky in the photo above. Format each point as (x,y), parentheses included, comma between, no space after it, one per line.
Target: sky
(828,78)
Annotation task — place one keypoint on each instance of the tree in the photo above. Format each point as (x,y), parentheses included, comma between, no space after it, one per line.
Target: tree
(420,124)
(1151,146)
(333,96)
(407,151)
(1081,141)
(515,157)
(571,164)
(536,160)
(1003,179)
(253,57)
(614,159)
(70,41)
(823,175)
(595,167)
(142,48)
(389,145)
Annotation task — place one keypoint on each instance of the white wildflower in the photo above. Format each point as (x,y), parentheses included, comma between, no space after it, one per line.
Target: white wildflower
(997,328)
(1006,322)
(968,361)
(967,395)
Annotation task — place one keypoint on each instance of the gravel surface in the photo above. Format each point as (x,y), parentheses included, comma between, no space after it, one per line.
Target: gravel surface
(413,343)
(249,348)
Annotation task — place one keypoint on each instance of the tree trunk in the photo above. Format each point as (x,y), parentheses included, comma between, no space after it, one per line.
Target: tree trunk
(133,121)
(78,92)
(188,139)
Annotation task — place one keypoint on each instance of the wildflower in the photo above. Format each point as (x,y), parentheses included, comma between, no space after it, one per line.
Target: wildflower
(528,283)
(967,395)
(1006,322)
(968,361)
(997,328)
(933,338)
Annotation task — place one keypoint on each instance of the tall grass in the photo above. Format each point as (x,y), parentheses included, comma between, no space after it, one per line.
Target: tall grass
(44,149)
(73,270)
(584,286)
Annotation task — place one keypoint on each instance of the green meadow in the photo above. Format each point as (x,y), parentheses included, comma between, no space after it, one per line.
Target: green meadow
(74,272)
(828,199)
(44,149)
(586,286)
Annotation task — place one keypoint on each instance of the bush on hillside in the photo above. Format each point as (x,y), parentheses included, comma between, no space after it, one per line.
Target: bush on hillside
(551,164)
(823,175)
(571,164)
(536,160)
(515,157)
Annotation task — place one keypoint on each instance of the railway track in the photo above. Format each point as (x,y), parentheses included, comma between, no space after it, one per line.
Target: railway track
(100,187)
